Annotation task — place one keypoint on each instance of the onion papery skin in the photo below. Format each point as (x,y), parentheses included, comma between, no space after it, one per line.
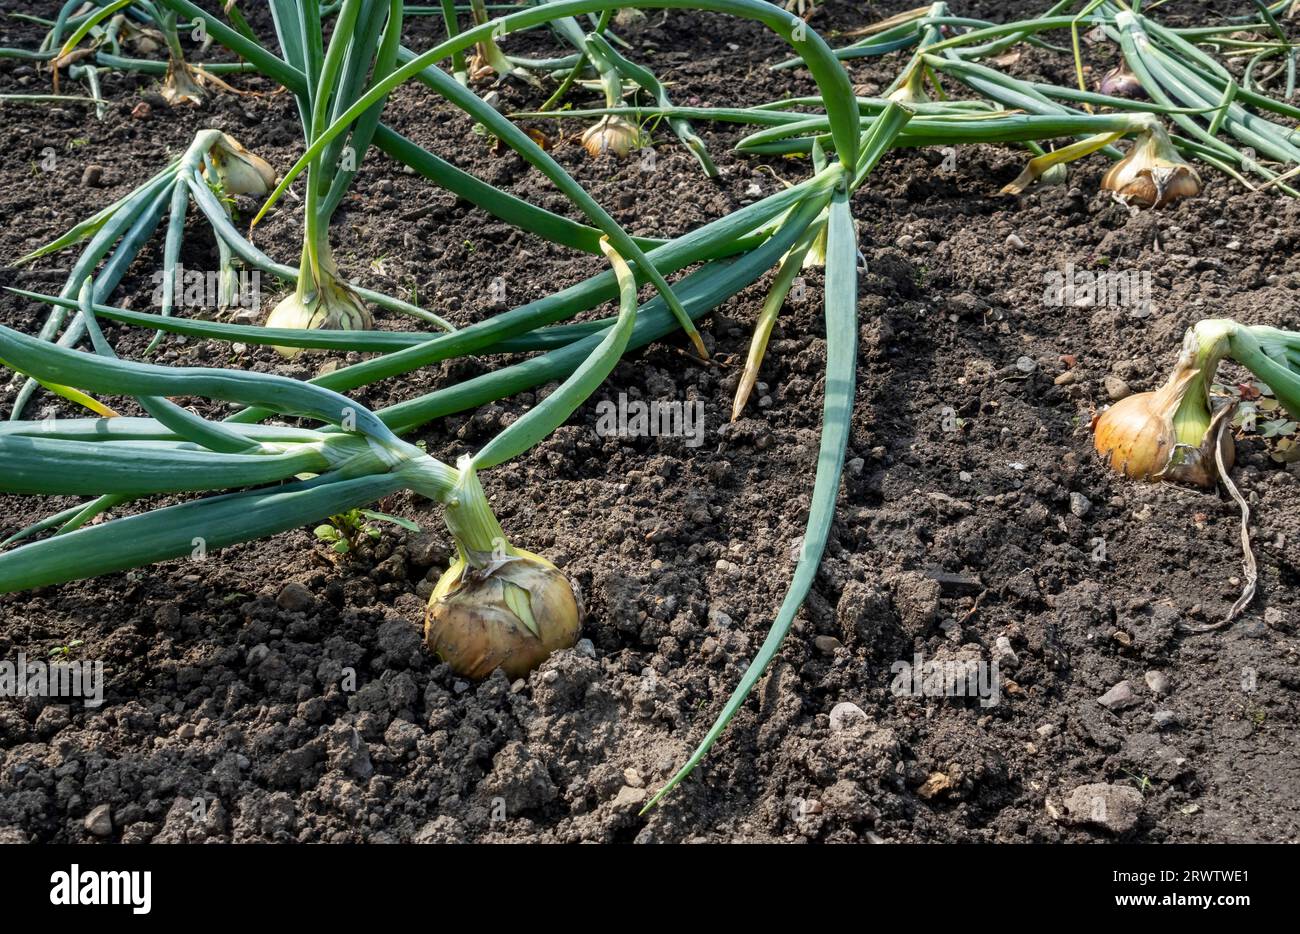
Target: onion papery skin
(1153,174)
(470,625)
(1119,82)
(613,135)
(1136,437)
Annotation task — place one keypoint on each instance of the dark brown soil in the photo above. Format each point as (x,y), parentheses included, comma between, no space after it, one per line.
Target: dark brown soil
(220,687)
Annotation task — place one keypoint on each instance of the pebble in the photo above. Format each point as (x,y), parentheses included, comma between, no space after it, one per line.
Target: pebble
(586,647)
(1119,697)
(1114,808)
(1046,730)
(1158,682)
(100,821)
(92,176)
(629,797)
(1026,364)
(1116,388)
(425,549)
(633,778)
(1164,719)
(1014,241)
(1080,505)
(845,714)
(936,784)
(1004,655)
(460,687)
(827,644)
(719,619)
(964,476)
(295,598)
(856,465)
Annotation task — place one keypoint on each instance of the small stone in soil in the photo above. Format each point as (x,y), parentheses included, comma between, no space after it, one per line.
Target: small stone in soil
(295,598)
(1164,719)
(1116,388)
(936,784)
(1080,505)
(1158,682)
(1114,808)
(1119,697)
(827,644)
(1004,655)
(629,797)
(845,714)
(100,821)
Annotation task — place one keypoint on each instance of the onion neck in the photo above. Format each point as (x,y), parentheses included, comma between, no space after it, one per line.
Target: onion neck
(1204,348)
(469,517)
(318,276)
(175,52)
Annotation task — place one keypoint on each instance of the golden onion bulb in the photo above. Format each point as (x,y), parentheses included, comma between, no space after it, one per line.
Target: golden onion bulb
(333,307)
(511,614)
(1137,436)
(1153,174)
(611,134)
(240,171)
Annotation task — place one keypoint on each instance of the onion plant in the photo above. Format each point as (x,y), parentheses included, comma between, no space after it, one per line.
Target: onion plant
(355,461)
(1173,433)
(499,605)
(88,36)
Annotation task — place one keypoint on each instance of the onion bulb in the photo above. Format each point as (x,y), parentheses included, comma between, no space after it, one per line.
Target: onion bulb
(511,614)
(1153,174)
(1170,434)
(612,134)
(497,606)
(240,171)
(182,84)
(1120,82)
(331,304)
